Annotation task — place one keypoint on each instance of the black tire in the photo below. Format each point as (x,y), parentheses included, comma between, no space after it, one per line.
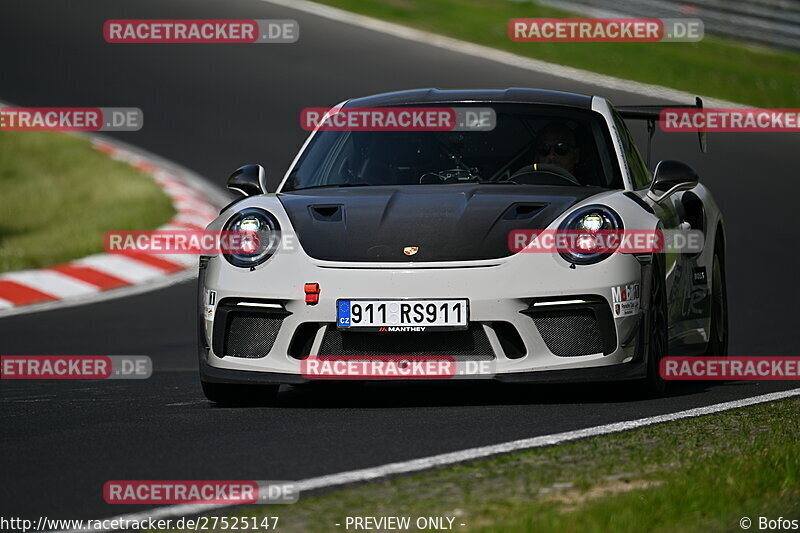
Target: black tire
(653,386)
(240,395)
(718,332)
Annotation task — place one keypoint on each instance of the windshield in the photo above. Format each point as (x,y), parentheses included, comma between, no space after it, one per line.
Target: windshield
(530,145)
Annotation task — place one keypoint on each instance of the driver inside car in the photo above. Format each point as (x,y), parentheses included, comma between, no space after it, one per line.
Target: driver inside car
(556,144)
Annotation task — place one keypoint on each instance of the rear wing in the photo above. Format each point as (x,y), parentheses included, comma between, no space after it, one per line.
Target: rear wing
(651,114)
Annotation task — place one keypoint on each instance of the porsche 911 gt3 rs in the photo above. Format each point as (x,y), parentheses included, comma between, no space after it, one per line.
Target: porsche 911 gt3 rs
(384,243)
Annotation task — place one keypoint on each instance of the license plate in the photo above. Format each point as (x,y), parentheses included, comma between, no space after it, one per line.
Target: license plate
(402,315)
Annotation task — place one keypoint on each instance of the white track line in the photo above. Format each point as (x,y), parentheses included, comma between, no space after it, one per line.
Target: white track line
(499,56)
(445,459)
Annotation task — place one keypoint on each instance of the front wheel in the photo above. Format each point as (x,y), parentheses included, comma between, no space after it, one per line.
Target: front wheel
(718,332)
(654,385)
(240,395)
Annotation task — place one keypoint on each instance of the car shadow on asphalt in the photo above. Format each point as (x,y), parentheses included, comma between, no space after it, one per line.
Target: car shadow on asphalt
(403,395)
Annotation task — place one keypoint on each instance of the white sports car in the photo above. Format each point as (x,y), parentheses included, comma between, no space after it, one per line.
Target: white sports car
(397,243)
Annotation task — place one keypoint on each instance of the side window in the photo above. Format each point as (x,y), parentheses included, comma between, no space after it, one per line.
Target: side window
(641,177)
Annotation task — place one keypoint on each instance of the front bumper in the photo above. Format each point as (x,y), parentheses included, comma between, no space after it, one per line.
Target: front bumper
(499,291)
(632,370)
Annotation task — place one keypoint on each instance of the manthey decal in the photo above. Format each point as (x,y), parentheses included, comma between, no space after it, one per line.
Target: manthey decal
(385,329)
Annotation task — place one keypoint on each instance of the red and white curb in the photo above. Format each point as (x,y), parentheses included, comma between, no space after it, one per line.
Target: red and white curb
(105,276)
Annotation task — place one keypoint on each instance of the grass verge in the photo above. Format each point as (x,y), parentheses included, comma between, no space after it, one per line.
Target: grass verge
(58,196)
(695,475)
(714,67)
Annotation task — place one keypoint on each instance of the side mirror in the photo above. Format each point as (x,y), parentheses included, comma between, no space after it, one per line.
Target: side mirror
(669,177)
(249,180)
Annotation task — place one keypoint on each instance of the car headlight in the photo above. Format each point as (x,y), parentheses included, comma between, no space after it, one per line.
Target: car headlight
(264,225)
(590,234)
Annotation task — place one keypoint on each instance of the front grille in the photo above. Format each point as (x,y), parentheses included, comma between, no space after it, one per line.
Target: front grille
(510,340)
(303,338)
(251,334)
(570,333)
(468,345)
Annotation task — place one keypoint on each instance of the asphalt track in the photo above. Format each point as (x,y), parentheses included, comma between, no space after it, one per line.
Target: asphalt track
(215,107)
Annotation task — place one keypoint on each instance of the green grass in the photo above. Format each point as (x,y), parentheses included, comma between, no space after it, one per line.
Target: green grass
(58,196)
(697,475)
(714,67)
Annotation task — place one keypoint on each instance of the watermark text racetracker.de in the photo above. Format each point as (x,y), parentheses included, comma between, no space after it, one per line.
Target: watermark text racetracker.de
(71,119)
(627,30)
(629,241)
(195,242)
(193,31)
(380,367)
(75,367)
(724,120)
(217,492)
(398,119)
(730,368)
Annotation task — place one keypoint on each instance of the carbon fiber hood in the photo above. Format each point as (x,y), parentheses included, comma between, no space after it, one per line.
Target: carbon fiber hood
(446,222)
